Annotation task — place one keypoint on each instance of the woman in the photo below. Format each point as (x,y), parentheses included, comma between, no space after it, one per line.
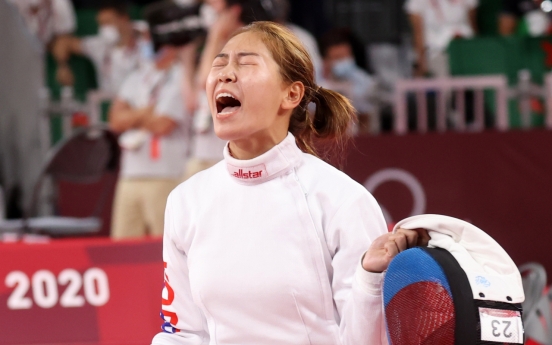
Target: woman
(267,246)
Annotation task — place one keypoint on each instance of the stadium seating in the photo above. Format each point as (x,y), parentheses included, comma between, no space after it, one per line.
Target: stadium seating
(504,55)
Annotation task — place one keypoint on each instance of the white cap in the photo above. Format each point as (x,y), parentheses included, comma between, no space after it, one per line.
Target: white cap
(493,275)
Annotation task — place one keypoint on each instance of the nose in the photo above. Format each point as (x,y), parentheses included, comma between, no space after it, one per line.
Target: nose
(227,75)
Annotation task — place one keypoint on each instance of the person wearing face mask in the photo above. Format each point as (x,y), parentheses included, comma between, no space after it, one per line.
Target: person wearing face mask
(118,49)
(47,19)
(149,114)
(272,245)
(342,74)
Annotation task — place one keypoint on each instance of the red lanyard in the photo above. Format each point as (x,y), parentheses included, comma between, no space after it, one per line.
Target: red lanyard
(155,145)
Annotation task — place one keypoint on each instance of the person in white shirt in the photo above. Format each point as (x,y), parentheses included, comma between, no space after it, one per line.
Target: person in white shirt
(117,50)
(149,112)
(272,245)
(434,24)
(47,19)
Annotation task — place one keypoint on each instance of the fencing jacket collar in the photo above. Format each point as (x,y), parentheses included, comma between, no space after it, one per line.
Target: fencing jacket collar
(276,162)
(492,273)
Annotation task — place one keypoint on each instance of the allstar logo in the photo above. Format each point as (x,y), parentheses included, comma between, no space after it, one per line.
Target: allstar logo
(248,175)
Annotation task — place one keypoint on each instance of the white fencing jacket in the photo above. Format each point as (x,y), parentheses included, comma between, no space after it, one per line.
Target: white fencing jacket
(268,251)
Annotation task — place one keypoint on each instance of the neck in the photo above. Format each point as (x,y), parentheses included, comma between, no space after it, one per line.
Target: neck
(127,37)
(163,64)
(255,146)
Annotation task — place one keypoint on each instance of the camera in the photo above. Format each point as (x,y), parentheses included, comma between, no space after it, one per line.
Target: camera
(173,24)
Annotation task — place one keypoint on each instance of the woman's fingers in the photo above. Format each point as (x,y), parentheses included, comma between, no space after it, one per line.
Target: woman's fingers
(423,237)
(416,237)
(387,246)
(410,235)
(400,240)
(391,248)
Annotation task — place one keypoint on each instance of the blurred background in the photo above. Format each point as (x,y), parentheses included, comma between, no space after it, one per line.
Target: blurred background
(102,113)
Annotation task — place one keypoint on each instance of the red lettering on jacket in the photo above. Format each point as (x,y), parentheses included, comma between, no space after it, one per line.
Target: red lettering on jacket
(247,175)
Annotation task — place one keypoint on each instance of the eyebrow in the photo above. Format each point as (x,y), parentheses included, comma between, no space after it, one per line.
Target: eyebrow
(242,54)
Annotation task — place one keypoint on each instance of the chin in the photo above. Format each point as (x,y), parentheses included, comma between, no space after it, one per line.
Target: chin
(226,133)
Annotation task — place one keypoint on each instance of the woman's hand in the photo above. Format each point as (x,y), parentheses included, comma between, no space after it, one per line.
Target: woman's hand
(387,246)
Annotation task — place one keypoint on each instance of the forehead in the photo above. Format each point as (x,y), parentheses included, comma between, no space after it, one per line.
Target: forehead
(246,41)
(339,49)
(107,14)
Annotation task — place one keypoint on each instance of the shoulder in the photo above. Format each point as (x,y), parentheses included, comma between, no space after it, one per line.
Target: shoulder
(345,203)
(332,181)
(415,6)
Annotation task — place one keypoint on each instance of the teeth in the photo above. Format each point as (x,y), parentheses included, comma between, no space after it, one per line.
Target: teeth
(224,94)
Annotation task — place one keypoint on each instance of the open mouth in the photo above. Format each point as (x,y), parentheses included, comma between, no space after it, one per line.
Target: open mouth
(226,103)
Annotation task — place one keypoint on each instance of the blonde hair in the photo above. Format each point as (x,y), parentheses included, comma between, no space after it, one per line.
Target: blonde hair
(334,114)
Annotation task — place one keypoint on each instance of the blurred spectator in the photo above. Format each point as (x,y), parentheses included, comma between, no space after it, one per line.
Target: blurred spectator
(222,20)
(306,37)
(116,51)
(529,12)
(47,19)
(434,24)
(342,74)
(149,112)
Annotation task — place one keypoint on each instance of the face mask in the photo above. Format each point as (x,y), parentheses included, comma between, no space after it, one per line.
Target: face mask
(109,34)
(344,68)
(146,50)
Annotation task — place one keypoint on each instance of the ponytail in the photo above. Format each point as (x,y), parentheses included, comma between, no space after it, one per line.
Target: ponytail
(325,133)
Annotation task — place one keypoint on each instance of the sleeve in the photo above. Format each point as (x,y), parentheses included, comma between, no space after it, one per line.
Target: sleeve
(471,4)
(65,22)
(95,48)
(170,103)
(414,6)
(183,321)
(356,292)
(128,89)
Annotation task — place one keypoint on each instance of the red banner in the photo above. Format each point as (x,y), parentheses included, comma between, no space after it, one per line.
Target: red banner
(91,291)
(95,291)
(500,182)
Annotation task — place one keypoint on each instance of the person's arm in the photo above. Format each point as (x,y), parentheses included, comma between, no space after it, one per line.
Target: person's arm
(218,35)
(63,47)
(189,91)
(357,293)
(184,323)
(359,227)
(159,125)
(417,22)
(123,117)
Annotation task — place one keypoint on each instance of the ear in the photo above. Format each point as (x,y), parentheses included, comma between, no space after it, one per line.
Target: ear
(293,95)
